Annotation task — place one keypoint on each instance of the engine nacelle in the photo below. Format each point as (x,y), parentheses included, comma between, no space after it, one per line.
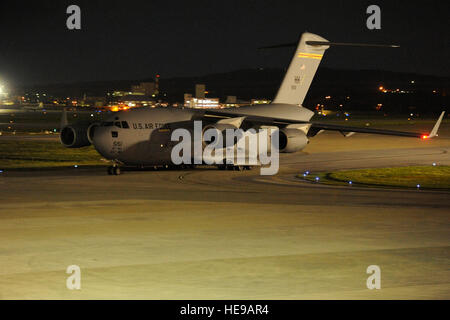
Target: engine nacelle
(221,130)
(91,131)
(75,135)
(292,140)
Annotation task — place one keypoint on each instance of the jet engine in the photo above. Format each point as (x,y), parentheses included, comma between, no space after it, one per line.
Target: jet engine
(221,130)
(91,131)
(76,135)
(292,140)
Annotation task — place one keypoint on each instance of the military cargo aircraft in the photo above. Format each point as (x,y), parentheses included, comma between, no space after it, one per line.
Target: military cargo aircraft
(141,137)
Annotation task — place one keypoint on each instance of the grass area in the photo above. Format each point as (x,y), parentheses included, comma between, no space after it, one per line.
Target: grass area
(428,177)
(40,154)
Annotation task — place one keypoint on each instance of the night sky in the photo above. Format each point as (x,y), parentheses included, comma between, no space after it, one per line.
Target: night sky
(136,39)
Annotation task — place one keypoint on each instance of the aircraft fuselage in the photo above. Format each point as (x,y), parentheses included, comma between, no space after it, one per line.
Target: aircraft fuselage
(141,136)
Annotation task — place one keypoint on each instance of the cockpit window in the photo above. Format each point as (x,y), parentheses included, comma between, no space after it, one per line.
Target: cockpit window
(125,125)
(107,124)
(117,124)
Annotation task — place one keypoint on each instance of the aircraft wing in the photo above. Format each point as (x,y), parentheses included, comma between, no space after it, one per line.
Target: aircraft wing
(347,130)
(317,127)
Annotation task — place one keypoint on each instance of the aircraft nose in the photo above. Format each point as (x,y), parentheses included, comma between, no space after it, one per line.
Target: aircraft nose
(102,140)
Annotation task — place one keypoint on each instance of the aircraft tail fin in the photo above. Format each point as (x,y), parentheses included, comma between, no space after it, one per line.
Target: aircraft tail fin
(302,69)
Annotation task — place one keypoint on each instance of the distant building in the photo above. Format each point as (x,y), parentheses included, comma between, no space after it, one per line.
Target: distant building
(202,103)
(231,100)
(93,101)
(260,101)
(144,88)
(187,97)
(134,100)
(120,93)
(200,91)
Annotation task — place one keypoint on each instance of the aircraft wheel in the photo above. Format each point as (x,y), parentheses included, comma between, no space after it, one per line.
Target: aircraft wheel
(116,171)
(239,168)
(247,167)
(110,170)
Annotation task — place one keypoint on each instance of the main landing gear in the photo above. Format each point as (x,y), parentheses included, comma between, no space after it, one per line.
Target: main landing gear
(233,167)
(114,170)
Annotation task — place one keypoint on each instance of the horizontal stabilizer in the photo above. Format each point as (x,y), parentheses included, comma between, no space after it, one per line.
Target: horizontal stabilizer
(328,43)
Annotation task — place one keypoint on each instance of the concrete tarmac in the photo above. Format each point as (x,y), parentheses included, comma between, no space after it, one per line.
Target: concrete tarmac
(210,234)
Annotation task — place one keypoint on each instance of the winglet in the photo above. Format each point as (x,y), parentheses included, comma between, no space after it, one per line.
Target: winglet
(434,132)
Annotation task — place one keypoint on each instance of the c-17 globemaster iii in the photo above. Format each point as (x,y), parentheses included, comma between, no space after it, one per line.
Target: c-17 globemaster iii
(141,137)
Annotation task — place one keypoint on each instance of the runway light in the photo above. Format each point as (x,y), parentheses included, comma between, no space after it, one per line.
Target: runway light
(1,171)
(75,166)
(306,172)
(418,186)
(317,178)
(350,182)
(434,164)
(424,137)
